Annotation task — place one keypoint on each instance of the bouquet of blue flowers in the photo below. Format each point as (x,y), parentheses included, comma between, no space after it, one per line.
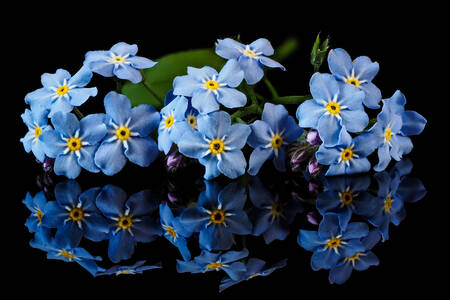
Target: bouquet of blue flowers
(205,105)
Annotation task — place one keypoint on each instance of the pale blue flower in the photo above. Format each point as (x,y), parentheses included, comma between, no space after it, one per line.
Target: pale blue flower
(37,123)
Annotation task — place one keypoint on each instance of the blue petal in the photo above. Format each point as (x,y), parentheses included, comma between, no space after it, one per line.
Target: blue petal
(146,230)
(79,95)
(260,135)
(86,159)
(118,107)
(52,144)
(340,63)
(233,197)
(211,167)
(192,144)
(329,128)
(373,95)
(60,105)
(231,256)
(341,273)
(110,158)
(92,128)
(81,78)
(231,98)
(356,230)
(139,62)
(186,85)
(128,73)
(257,159)
(67,165)
(324,260)
(204,101)
(270,63)
(253,69)
(358,165)
(231,74)
(239,223)
(329,226)
(365,69)
(123,49)
(54,80)
(237,136)
(215,125)
(229,49)
(327,156)
(67,193)
(413,123)
(142,203)
(309,113)
(275,116)
(111,201)
(354,120)
(236,271)
(121,246)
(215,237)
(310,240)
(66,124)
(262,45)
(164,141)
(383,158)
(194,218)
(232,164)
(141,151)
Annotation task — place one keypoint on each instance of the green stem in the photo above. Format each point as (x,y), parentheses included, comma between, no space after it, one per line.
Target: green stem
(291,99)
(149,88)
(251,93)
(246,111)
(271,88)
(78,113)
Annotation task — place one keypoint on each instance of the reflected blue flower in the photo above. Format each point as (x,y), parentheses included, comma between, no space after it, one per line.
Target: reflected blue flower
(345,195)
(218,215)
(273,213)
(207,261)
(331,242)
(38,207)
(37,123)
(174,231)
(130,220)
(360,261)
(137,268)
(255,268)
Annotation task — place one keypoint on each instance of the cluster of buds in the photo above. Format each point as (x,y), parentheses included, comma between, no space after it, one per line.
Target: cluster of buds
(302,154)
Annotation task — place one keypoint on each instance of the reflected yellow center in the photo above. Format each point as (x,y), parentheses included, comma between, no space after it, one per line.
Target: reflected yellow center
(216,265)
(125,222)
(192,121)
(169,121)
(249,53)
(76,214)
(171,232)
(39,215)
(67,254)
(388,134)
(334,242)
(354,257)
(74,144)
(217,216)
(388,204)
(277,209)
(347,198)
(333,108)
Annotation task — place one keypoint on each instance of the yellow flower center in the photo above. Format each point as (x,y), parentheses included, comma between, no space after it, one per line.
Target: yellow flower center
(169,121)
(277,141)
(277,209)
(346,198)
(217,216)
(39,215)
(388,134)
(212,85)
(124,272)
(67,254)
(353,80)
(37,131)
(62,90)
(214,266)
(354,257)
(333,242)
(118,60)
(76,214)
(192,121)
(74,144)
(347,154)
(216,146)
(249,53)
(388,204)
(123,133)
(333,108)
(125,222)
(170,231)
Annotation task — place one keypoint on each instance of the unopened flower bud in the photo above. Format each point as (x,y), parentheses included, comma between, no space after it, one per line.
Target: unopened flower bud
(313,167)
(313,137)
(313,217)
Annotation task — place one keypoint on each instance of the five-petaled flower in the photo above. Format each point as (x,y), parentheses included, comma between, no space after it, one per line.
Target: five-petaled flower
(251,58)
(38,207)
(120,60)
(37,123)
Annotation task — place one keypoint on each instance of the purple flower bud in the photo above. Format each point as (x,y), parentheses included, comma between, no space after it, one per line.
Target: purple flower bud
(173,198)
(313,217)
(313,187)
(174,159)
(313,137)
(48,163)
(313,167)
(296,159)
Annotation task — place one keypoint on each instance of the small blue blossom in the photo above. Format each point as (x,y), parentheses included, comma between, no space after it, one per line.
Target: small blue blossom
(252,58)
(217,145)
(130,220)
(61,92)
(333,109)
(38,207)
(208,261)
(345,195)
(120,61)
(346,158)
(269,137)
(174,230)
(173,123)
(75,213)
(360,261)
(37,123)
(358,73)
(330,242)
(255,268)
(128,135)
(390,133)
(137,268)
(218,215)
(209,89)
(73,143)
(272,213)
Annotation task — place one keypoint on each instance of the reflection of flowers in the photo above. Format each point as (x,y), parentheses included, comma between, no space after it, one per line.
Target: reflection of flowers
(38,207)
(137,268)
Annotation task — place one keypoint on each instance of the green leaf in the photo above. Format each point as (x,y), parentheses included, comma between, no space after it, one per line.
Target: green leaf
(291,99)
(286,49)
(158,80)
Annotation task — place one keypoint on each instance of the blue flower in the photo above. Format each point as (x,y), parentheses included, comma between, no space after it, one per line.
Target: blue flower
(128,135)
(173,123)
(252,58)
(137,268)
(217,145)
(75,213)
(269,137)
(390,133)
(208,261)
(333,109)
(348,157)
(255,268)
(272,214)
(332,242)
(120,61)
(345,195)
(358,73)
(38,207)
(37,123)
(218,215)
(131,220)
(209,89)
(174,230)
(360,261)
(73,143)
(61,92)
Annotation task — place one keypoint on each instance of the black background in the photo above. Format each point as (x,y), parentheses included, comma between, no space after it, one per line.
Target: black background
(403,41)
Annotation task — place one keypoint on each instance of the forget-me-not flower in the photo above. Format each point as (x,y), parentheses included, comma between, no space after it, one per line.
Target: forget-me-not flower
(252,58)
(333,109)
(218,216)
(217,145)
(331,242)
(269,137)
(347,157)
(138,268)
(61,91)
(37,123)
(208,261)
(120,61)
(358,73)
(38,207)
(131,220)
(209,89)
(73,143)
(128,135)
